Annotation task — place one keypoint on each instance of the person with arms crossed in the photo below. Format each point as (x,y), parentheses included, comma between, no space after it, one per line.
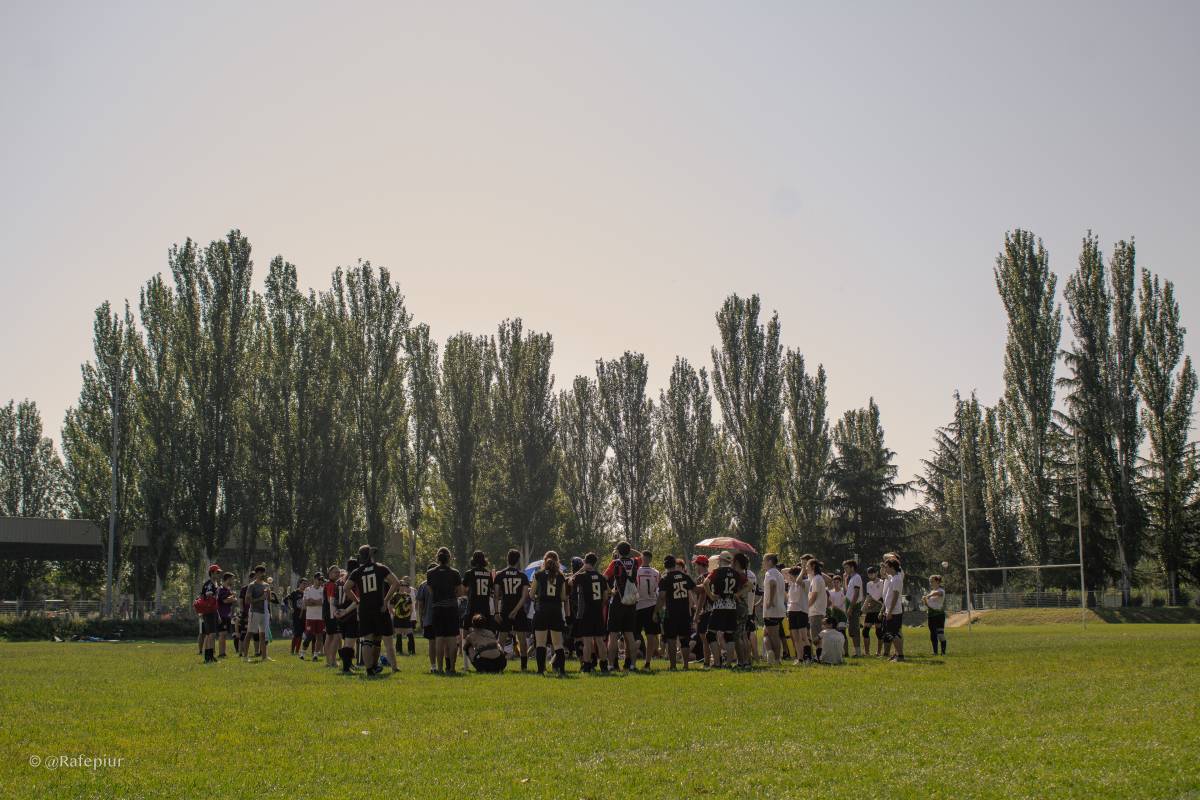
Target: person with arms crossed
(445,587)
(675,591)
(935,604)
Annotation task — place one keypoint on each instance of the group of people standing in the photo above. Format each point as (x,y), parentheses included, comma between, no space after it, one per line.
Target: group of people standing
(608,619)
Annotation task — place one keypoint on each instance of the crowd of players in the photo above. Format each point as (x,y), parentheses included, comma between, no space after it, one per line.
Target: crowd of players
(626,613)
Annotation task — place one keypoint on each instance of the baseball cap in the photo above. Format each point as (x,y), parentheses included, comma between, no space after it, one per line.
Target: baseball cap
(725,557)
(702,560)
(213,568)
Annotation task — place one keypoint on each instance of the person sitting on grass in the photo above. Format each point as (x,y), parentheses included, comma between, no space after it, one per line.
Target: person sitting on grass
(833,643)
(935,603)
(481,647)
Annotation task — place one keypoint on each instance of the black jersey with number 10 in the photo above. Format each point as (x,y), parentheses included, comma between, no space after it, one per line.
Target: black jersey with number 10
(371,580)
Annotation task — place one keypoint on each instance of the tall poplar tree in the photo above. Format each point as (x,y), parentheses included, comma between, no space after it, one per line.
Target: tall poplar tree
(628,426)
(1167,383)
(805,451)
(582,457)
(464,410)
(1026,287)
(371,330)
(418,433)
(688,446)
(748,382)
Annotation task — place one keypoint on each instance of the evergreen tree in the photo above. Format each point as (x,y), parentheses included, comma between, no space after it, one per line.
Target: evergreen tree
(748,381)
(864,486)
(688,444)
(1026,288)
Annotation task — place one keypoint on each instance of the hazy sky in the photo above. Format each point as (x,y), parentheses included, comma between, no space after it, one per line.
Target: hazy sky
(607,171)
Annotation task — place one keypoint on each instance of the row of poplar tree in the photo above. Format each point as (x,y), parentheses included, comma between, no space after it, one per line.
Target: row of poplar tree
(1113,456)
(302,424)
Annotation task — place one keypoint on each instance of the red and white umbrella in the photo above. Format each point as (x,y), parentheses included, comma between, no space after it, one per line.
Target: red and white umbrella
(726,543)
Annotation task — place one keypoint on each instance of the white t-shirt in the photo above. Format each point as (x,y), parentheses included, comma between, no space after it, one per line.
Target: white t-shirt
(313,593)
(855,581)
(832,644)
(935,600)
(775,591)
(837,599)
(797,594)
(752,598)
(647,586)
(816,584)
(875,589)
(894,586)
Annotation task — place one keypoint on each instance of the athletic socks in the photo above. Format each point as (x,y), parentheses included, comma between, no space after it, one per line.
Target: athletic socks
(807,652)
(346,653)
(524,663)
(541,660)
(412,645)
(208,655)
(560,661)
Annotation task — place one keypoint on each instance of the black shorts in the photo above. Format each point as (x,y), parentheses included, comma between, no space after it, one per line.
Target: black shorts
(797,620)
(647,622)
(403,624)
(590,624)
(549,618)
(333,627)
(772,622)
(210,623)
(427,632)
(621,618)
(374,622)
(445,622)
(225,625)
(677,627)
(871,618)
(520,624)
(723,620)
(349,626)
(936,620)
(702,623)
(892,627)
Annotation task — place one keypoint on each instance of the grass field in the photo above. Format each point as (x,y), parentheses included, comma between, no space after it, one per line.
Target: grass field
(1041,711)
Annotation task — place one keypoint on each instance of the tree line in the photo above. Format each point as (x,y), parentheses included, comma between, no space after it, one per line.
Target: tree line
(301,423)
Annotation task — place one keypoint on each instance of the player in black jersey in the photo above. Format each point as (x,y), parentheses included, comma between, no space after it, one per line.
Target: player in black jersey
(511,586)
(675,590)
(445,587)
(211,620)
(478,582)
(722,585)
(374,584)
(345,611)
(550,594)
(590,590)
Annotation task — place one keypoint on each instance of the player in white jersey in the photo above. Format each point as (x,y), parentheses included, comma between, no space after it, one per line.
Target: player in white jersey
(774,607)
(893,609)
(872,607)
(854,602)
(935,604)
(647,620)
(797,613)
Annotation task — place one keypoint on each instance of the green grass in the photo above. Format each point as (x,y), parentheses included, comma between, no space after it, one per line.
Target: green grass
(1049,711)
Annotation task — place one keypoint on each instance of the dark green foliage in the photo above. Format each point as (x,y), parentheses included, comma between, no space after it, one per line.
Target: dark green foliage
(464,410)
(688,446)
(627,422)
(864,487)
(805,452)
(583,479)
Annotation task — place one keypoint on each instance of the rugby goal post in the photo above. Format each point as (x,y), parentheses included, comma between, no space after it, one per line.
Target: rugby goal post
(968,569)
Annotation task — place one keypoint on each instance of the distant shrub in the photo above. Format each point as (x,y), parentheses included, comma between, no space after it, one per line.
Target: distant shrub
(42,628)
(1158,602)
(1136,600)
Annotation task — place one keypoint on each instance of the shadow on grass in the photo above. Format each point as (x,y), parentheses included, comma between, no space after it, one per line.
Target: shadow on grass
(1159,615)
